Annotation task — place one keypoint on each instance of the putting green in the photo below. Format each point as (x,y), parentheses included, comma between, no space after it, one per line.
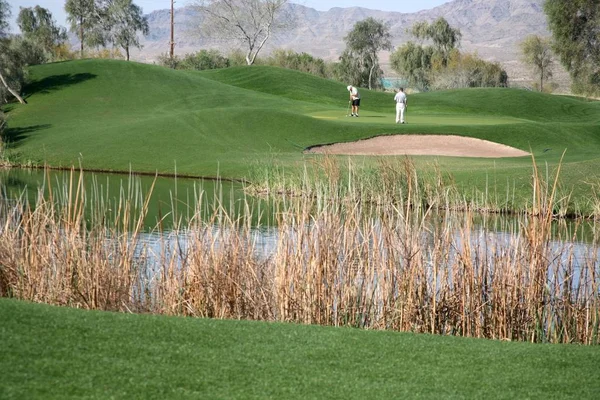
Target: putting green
(423,119)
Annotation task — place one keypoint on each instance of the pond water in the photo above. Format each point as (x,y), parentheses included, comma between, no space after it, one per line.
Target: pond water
(172,200)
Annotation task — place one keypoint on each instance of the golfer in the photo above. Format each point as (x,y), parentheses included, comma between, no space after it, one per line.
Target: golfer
(400,100)
(354,99)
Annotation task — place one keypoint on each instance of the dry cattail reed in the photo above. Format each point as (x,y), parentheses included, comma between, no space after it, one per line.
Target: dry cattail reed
(384,251)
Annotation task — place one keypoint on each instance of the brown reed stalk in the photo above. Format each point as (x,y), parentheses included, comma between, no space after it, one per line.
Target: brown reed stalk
(342,256)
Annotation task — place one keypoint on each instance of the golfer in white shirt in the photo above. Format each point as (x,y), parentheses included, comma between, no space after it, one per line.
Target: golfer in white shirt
(354,99)
(400,100)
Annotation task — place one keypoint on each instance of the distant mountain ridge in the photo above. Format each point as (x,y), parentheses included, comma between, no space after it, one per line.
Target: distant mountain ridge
(492,28)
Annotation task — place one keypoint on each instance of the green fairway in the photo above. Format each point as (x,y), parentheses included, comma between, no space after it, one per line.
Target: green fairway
(89,354)
(120,116)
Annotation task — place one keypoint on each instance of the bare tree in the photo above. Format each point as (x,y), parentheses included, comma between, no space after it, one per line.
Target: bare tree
(249,22)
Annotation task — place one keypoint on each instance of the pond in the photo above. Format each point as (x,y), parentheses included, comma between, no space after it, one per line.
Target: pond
(331,257)
(172,199)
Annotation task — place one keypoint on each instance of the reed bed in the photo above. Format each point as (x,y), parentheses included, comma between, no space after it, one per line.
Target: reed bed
(396,258)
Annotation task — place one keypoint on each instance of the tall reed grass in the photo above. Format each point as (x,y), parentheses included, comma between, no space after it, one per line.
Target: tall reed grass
(398,256)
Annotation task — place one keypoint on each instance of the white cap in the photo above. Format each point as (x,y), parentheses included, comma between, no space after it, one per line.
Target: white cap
(349,87)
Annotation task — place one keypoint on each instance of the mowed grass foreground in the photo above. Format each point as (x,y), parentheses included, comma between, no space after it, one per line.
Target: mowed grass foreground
(121,116)
(90,354)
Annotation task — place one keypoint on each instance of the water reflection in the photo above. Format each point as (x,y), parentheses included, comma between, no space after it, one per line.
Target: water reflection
(172,204)
(174,201)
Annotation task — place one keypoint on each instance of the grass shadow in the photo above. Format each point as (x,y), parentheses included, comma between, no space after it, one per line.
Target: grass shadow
(56,82)
(12,136)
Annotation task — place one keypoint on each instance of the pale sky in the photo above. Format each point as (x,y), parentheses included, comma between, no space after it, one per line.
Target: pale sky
(56,7)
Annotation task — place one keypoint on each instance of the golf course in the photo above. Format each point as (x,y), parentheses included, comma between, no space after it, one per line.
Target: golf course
(118,116)
(361,296)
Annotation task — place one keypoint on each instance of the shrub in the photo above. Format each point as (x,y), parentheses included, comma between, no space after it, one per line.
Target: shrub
(105,53)
(30,53)
(237,58)
(63,52)
(203,59)
(466,70)
(165,60)
(298,61)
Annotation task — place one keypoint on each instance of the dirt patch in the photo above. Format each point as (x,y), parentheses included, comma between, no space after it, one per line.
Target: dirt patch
(422,145)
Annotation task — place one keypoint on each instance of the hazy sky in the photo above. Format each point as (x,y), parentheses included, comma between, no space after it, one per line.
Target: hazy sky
(56,7)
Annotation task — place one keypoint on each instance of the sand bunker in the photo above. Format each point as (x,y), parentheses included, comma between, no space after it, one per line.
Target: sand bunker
(429,145)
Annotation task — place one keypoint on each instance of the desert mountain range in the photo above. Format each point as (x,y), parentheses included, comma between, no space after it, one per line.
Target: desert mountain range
(492,28)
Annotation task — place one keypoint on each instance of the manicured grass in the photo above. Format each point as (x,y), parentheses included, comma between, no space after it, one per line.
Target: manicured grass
(61,353)
(115,115)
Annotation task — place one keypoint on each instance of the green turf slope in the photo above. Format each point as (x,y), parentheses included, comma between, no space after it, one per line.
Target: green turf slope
(116,115)
(61,353)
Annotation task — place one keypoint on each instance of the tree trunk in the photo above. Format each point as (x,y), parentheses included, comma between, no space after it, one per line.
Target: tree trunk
(542,80)
(127,52)
(13,92)
(371,73)
(81,34)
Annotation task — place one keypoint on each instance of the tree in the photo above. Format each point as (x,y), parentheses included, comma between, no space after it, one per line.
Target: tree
(421,63)
(414,63)
(537,53)
(37,26)
(441,65)
(575,27)
(83,17)
(365,40)
(12,70)
(124,21)
(444,37)
(249,22)
(4,15)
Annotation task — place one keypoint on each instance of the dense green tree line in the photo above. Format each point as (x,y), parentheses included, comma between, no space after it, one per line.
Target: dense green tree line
(440,65)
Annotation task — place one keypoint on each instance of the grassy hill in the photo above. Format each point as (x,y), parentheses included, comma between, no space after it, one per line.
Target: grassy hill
(89,354)
(115,115)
